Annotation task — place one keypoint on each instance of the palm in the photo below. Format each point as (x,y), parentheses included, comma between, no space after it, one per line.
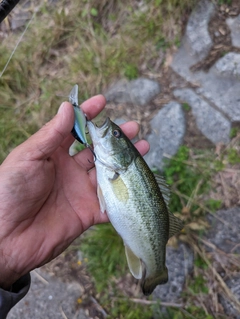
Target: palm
(47,197)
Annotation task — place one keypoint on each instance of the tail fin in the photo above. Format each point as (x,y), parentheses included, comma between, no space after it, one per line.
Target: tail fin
(149,284)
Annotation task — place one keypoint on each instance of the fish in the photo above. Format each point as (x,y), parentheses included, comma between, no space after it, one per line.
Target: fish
(80,120)
(136,202)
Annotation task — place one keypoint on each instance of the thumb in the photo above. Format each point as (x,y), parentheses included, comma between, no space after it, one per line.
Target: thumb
(45,141)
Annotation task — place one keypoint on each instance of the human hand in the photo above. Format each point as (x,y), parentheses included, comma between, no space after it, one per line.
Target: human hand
(47,197)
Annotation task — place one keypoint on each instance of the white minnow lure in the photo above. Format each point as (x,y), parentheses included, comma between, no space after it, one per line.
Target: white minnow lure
(80,121)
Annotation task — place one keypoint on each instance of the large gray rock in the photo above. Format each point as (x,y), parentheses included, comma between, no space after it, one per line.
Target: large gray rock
(234,25)
(220,85)
(168,129)
(223,92)
(225,235)
(197,38)
(50,299)
(139,92)
(225,229)
(179,262)
(196,42)
(234,285)
(210,122)
(229,65)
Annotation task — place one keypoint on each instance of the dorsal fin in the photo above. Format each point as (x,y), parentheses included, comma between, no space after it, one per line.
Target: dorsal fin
(164,188)
(175,224)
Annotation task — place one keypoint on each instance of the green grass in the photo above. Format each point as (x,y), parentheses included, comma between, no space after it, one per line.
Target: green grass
(105,252)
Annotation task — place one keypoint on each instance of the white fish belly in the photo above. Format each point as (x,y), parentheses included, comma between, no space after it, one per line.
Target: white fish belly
(125,212)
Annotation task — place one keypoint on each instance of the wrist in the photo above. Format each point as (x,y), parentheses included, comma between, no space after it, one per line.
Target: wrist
(7,276)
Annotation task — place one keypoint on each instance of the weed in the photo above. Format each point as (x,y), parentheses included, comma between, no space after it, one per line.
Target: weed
(123,308)
(130,71)
(186,107)
(228,2)
(185,179)
(233,156)
(233,132)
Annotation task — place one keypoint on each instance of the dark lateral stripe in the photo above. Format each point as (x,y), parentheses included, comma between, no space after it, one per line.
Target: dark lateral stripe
(5,7)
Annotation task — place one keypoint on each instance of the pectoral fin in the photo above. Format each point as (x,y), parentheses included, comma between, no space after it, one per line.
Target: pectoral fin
(134,263)
(101,199)
(119,188)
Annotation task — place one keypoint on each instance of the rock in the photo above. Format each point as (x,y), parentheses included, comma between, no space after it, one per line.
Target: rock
(234,285)
(119,121)
(234,26)
(142,90)
(50,299)
(139,92)
(168,129)
(223,92)
(210,122)
(225,235)
(197,37)
(225,229)
(220,85)
(229,65)
(196,42)
(19,19)
(179,262)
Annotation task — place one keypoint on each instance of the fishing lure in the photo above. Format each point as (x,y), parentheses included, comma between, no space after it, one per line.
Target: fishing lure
(80,121)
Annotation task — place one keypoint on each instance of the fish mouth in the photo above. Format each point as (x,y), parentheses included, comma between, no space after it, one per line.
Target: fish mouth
(105,125)
(100,131)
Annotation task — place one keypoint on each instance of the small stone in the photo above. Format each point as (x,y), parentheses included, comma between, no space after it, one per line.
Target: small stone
(210,122)
(168,129)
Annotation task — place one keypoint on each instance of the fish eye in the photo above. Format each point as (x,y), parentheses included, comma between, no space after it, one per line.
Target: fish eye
(117,133)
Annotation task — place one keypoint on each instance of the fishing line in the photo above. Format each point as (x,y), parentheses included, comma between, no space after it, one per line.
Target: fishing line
(16,46)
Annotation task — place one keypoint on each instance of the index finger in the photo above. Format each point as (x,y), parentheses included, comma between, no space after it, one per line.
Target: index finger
(93,106)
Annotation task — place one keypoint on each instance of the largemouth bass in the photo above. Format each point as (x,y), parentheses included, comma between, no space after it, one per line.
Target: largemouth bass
(136,203)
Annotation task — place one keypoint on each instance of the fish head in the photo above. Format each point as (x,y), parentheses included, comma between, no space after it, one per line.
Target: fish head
(111,146)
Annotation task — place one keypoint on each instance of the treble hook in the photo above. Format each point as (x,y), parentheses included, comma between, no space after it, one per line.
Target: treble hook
(94,155)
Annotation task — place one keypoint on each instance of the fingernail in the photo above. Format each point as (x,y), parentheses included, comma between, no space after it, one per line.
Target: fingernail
(60,108)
